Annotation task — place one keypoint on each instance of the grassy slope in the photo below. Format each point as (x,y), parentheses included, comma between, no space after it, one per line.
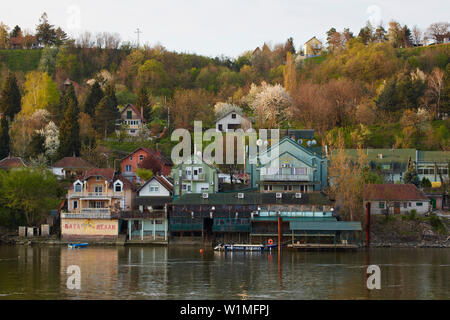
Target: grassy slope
(20,60)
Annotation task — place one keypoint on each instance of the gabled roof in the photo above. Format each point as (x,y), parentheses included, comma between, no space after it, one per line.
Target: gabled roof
(129,105)
(127,184)
(156,155)
(233,111)
(106,173)
(393,192)
(313,39)
(196,160)
(162,180)
(12,162)
(72,162)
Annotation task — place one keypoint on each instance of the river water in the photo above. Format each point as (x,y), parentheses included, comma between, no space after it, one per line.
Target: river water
(145,272)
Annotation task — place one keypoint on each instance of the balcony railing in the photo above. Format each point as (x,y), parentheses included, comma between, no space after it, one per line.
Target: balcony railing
(198,177)
(87,194)
(91,213)
(287,177)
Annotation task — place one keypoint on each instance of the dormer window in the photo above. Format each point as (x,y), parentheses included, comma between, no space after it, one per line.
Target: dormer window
(98,178)
(77,186)
(118,186)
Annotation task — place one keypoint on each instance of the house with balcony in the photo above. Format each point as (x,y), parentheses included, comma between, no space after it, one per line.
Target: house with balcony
(149,220)
(95,202)
(145,158)
(132,118)
(290,167)
(312,47)
(195,176)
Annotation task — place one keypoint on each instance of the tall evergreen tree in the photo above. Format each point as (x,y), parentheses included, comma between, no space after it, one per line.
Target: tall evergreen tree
(67,97)
(45,32)
(106,115)
(4,138)
(69,132)
(143,102)
(411,175)
(10,98)
(93,99)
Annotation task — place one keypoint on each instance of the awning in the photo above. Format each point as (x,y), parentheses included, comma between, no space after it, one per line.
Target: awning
(325,226)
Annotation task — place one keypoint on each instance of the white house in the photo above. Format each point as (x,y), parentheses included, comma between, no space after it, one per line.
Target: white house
(395,199)
(231,121)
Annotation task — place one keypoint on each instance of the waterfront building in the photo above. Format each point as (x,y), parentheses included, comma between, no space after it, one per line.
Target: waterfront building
(70,167)
(196,176)
(395,199)
(148,221)
(135,160)
(296,169)
(94,204)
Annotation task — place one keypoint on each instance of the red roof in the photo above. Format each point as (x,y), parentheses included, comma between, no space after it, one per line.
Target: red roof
(106,173)
(393,192)
(156,155)
(12,162)
(126,183)
(139,114)
(72,162)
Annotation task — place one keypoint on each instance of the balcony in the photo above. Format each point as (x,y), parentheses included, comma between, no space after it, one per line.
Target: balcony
(95,195)
(90,213)
(286,177)
(198,177)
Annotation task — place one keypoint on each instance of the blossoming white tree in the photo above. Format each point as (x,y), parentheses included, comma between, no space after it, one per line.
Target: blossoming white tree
(222,108)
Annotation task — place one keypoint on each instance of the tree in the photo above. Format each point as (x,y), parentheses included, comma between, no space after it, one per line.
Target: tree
(150,164)
(416,36)
(51,139)
(387,99)
(16,32)
(69,132)
(106,115)
(60,37)
(41,92)
(10,97)
(144,174)
(143,102)
(426,183)
(48,60)
(4,36)
(438,31)
(68,96)
(289,46)
(436,83)
(93,99)
(411,175)
(27,195)
(366,33)
(290,74)
(380,34)
(153,75)
(395,34)
(4,138)
(45,32)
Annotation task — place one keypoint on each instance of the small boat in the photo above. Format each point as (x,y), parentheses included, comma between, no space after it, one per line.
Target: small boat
(244,247)
(77,245)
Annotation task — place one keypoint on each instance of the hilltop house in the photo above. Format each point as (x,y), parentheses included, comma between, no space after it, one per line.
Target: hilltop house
(312,47)
(12,163)
(231,121)
(395,198)
(153,201)
(291,167)
(135,159)
(132,118)
(94,204)
(69,167)
(195,177)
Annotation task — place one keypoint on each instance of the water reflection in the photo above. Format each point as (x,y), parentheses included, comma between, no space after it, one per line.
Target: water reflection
(185,273)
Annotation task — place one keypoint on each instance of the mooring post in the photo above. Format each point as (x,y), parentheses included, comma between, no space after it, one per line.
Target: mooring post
(368,224)
(279,233)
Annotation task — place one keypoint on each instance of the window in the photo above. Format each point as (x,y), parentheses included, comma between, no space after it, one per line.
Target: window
(98,178)
(300,171)
(381,205)
(220,127)
(200,170)
(419,171)
(268,187)
(75,204)
(98,189)
(131,158)
(129,114)
(141,157)
(409,204)
(128,168)
(233,116)
(77,187)
(154,189)
(118,187)
(405,205)
(419,204)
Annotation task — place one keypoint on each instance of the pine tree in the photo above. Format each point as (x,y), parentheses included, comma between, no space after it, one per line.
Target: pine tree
(411,175)
(67,96)
(143,102)
(93,99)
(69,132)
(4,138)
(10,98)
(106,115)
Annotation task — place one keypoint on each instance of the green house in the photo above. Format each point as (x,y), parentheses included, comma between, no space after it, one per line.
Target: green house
(196,176)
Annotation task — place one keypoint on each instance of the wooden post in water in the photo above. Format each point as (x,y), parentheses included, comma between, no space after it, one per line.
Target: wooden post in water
(279,233)
(368,224)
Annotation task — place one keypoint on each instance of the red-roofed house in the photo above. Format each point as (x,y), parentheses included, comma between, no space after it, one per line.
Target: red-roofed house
(133,118)
(94,204)
(136,159)
(12,163)
(69,167)
(395,198)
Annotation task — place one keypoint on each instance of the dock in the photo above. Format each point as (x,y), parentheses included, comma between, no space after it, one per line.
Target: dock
(324,246)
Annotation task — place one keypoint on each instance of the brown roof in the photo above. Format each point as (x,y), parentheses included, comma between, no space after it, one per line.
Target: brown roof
(106,173)
(156,155)
(392,192)
(12,162)
(140,115)
(126,183)
(72,162)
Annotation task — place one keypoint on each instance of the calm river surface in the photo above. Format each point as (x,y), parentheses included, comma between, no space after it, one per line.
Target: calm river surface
(143,272)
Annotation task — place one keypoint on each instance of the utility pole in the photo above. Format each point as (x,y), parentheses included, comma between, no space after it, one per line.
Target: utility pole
(138,31)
